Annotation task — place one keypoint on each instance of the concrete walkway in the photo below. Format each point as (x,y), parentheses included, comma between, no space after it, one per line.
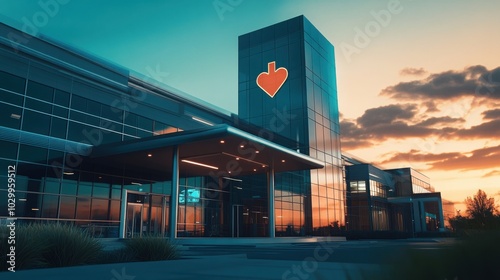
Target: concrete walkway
(113,243)
(206,267)
(230,265)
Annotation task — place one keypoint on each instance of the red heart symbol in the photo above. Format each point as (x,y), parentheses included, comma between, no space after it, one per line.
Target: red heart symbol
(272,80)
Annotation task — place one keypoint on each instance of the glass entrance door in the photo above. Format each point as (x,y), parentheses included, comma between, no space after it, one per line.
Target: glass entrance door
(134,220)
(146,214)
(159,215)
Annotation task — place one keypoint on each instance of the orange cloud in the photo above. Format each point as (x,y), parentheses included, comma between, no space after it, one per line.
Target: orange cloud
(409,71)
(492,174)
(485,158)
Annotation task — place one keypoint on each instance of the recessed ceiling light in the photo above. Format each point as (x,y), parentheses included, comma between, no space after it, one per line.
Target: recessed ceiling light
(232,179)
(257,152)
(237,158)
(68,173)
(242,146)
(222,141)
(150,155)
(254,169)
(200,164)
(282,160)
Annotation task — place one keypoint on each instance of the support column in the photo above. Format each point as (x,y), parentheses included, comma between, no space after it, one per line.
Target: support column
(123,214)
(416,216)
(423,224)
(174,198)
(441,215)
(270,194)
(163,214)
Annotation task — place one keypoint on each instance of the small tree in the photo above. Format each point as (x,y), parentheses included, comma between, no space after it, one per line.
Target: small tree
(481,208)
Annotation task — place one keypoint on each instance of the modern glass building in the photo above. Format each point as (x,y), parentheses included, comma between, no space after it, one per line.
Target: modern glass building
(305,112)
(105,149)
(98,146)
(393,202)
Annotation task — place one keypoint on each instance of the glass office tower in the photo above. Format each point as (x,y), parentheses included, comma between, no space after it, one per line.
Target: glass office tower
(304,110)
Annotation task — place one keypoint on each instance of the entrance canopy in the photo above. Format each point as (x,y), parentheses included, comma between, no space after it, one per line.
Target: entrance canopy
(222,150)
(219,152)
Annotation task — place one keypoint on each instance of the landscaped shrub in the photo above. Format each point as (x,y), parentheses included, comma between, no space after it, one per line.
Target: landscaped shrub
(49,245)
(28,249)
(151,248)
(58,245)
(67,245)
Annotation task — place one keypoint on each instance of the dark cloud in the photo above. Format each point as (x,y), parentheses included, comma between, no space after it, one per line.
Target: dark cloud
(387,114)
(401,130)
(484,130)
(409,71)
(401,121)
(475,81)
(392,121)
(377,125)
(381,123)
(350,129)
(352,136)
(441,120)
(484,158)
(491,114)
(431,107)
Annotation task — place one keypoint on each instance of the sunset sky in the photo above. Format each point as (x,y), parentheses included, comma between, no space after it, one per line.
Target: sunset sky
(418,80)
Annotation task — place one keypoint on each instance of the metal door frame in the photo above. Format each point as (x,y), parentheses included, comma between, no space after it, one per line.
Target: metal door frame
(237,206)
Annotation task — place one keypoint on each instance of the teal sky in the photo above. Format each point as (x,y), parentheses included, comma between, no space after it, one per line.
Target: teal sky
(191,46)
(197,45)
